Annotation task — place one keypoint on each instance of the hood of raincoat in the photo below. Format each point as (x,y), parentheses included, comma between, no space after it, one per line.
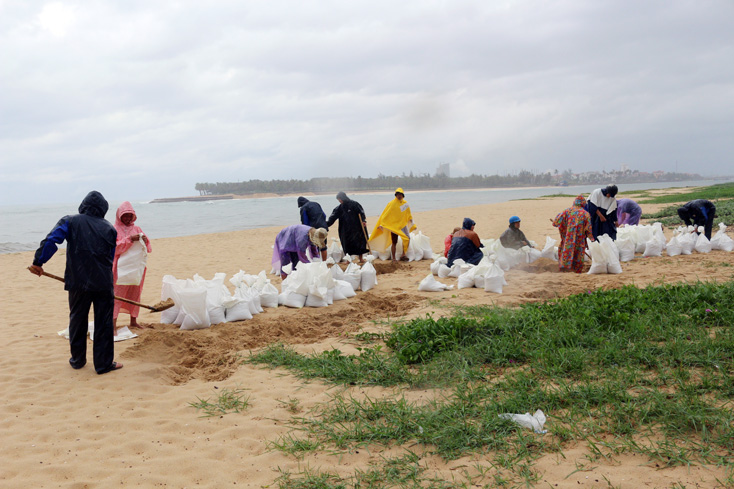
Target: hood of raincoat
(94,204)
(342,196)
(302,201)
(580,201)
(468,223)
(125,208)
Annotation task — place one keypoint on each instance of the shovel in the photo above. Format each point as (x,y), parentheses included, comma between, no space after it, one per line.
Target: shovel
(161,306)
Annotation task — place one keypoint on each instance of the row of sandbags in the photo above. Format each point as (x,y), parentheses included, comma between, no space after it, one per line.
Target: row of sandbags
(487,275)
(317,285)
(650,241)
(199,303)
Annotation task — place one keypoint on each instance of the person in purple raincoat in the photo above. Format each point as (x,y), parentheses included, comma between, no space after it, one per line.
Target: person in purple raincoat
(628,212)
(291,245)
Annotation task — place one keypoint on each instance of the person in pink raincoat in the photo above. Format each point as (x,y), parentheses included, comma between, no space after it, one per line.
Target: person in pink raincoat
(127,234)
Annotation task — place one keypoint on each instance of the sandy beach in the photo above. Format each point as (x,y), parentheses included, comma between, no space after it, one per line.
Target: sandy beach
(134,427)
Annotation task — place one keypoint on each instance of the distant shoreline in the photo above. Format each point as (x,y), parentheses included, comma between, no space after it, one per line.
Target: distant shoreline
(266,195)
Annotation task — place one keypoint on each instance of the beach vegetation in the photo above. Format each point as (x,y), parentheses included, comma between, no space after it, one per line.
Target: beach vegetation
(711,192)
(225,401)
(630,370)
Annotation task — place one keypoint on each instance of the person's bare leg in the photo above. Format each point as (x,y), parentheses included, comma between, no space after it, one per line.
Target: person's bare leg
(392,251)
(323,255)
(360,259)
(114,326)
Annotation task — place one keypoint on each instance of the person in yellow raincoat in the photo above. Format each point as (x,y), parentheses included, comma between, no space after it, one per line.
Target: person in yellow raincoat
(396,220)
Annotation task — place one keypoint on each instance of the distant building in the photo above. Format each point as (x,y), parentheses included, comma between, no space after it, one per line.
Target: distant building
(444,169)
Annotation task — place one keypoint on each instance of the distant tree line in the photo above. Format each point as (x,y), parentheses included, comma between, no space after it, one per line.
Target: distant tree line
(436,182)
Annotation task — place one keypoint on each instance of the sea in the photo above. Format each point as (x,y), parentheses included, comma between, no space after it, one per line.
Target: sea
(22,227)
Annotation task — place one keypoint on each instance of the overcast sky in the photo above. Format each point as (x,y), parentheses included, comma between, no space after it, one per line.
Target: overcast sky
(142,99)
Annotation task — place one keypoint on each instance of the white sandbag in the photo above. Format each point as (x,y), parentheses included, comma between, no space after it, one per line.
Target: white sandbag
(430,284)
(368,277)
(721,240)
(269,295)
(343,288)
(317,297)
(598,258)
(131,264)
(292,299)
(443,271)
(657,232)
(335,251)
(548,250)
(169,291)
(425,245)
(531,254)
(348,258)
(456,270)
(466,279)
(437,263)
(612,254)
(336,272)
(193,305)
(654,247)
(626,249)
(494,279)
(703,245)
(353,275)
(236,309)
(673,248)
(642,234)
(687,241)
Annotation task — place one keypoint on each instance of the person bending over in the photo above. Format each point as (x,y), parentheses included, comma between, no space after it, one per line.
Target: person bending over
(699,212)
(465,245)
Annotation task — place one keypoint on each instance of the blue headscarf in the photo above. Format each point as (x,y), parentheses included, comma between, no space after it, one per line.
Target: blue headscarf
(468,223)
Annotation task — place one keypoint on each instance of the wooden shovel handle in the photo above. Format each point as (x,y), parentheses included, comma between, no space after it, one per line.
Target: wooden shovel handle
(61,279)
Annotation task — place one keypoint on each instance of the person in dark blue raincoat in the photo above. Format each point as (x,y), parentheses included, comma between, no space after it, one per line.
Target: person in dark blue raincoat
(465,244)
(88,278)
(313,215)
(699,212)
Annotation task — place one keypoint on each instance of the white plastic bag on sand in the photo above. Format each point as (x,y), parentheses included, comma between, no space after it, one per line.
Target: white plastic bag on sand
(443,271)
(353,275)
(534,422)
(425,244)
(430,284)
(494,279)
(368,276)
(548,250)
(335,251)
(236,309)
(598,258)
(437,263)
(657,232)
(169,291)
(703,245)
(642,234)
(654,247)
(612,254)
(216,292)
(466,279)
(480,270)
(317,297)
(673,248)
(531,254)
(626,249)
(269,295)
(131,264)
(455,270)
(193,306)
(292,299)
(722,241)
(343,288)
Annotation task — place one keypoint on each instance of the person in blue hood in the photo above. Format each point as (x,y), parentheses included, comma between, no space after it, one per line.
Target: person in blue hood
(313,215)
(90,252)
(466,244)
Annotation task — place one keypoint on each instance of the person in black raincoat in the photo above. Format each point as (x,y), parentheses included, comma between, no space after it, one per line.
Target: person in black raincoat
(465,244)
(602,208)
(88,278)
(352,225)
(699,212)
(513,237)
(313,215)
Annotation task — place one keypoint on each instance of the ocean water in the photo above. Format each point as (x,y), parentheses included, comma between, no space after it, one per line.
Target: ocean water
(22,227)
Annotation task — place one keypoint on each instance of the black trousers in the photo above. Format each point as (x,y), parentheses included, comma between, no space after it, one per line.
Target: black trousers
(103,350)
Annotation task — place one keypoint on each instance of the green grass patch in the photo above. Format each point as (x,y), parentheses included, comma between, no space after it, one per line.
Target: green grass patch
(226,401)
(712,193)
(645,371)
